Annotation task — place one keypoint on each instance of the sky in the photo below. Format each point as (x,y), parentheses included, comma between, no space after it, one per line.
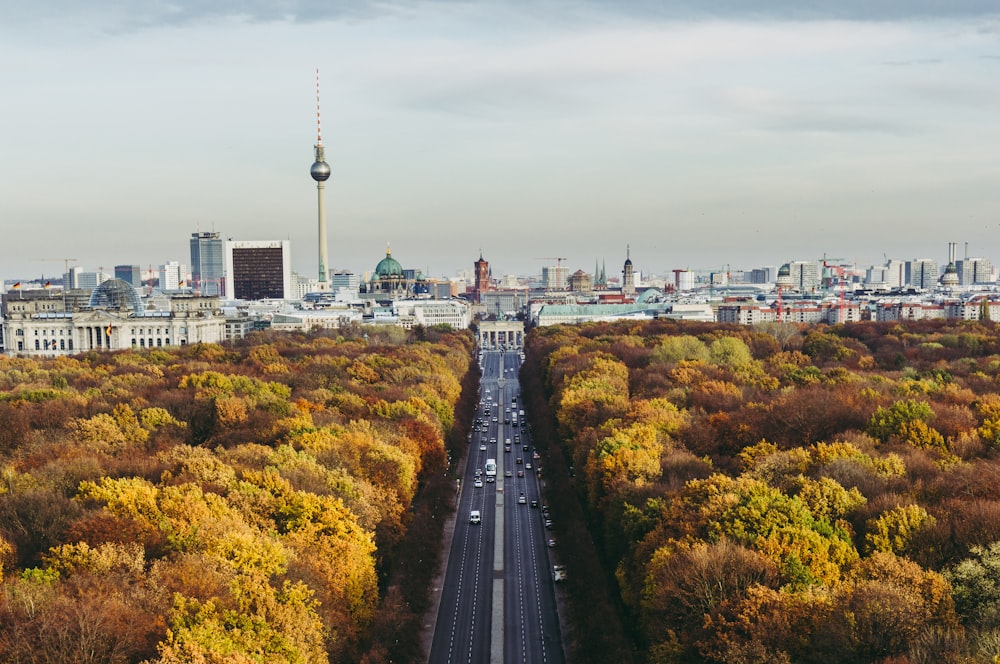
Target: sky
(701,134)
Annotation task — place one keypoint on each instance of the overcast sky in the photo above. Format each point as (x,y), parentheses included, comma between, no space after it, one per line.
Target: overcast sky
(701,134)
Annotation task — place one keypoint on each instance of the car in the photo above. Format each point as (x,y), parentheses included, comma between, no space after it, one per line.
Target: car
(528,466)
(552,543)
(558,573)
(490,479)
(548,524)
(534,503)
(506,448)
(482,448)
(475,517)
(507,473)
(519,460)
(536,456)
(478,483)
(521,500)
(520,473)
(524,447)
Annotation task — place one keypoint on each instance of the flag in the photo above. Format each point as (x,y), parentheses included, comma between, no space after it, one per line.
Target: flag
(108,331)
(17,285)
(48,284)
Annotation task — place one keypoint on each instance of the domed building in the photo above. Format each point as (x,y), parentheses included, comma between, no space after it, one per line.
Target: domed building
(784,279)
(950,277)
(390,281)
(116,295)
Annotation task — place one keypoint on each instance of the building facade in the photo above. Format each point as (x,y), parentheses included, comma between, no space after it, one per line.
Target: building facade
(922,273)
(36,324)
(258,270)
(208,263)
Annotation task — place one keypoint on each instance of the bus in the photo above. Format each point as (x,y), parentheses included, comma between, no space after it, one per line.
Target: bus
(491,468)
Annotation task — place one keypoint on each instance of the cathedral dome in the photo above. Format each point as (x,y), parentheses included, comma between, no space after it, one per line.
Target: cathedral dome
(388,267)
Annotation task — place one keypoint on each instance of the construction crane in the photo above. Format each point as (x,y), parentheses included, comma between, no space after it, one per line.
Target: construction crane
(831,268)
(66,262)
(558,259)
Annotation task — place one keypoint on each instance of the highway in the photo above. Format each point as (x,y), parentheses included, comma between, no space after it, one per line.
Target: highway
(497,601)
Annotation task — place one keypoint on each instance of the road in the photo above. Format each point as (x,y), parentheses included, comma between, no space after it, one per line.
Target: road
(497,601)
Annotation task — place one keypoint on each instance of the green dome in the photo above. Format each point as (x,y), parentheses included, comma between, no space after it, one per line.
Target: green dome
(388,267)
(785,271)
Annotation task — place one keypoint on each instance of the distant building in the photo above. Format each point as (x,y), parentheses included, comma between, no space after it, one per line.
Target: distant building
(745,314)
(895,273)
(78,278)
(973,271)
(482,278)
(628,274)
(508,303)
(37,324)
(555,277)
(804,275)
(580,282)
(343,279)
(683,280)
(208,265)
(258,270)
(171,276)
(922,273)
(129,273)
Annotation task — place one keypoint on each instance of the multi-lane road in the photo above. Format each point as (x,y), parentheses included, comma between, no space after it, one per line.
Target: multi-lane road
(497,603)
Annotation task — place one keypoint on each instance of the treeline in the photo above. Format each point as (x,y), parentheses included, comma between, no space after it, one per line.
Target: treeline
(789,494)
(245,503)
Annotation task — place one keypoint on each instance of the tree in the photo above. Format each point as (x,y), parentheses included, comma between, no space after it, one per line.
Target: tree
(893,530)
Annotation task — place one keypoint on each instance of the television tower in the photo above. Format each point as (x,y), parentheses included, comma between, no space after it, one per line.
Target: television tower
(320,172)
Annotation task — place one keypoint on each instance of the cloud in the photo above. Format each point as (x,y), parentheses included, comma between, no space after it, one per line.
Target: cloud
(114,16)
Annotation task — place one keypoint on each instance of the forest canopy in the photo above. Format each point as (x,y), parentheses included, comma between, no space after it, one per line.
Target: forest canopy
(785,493)
(213,503)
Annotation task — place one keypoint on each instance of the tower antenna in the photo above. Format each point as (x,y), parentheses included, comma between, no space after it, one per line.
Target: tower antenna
(319,132)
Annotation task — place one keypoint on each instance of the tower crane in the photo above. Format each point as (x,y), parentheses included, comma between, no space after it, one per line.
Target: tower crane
(557,259)
(66,262)
(833,264)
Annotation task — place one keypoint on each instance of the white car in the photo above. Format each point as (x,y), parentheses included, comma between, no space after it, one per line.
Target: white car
(474,517)
(478,483)
(521,500)
(482,448)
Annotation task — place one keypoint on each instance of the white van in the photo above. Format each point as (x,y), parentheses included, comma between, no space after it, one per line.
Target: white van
(474,517)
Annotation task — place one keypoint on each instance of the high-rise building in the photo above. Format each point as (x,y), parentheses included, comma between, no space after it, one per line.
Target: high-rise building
(171,276)
(258,270)
(804,275)
(975,271)
(555,277)
(683,280)
(207,264)
(922,273)
(132,274)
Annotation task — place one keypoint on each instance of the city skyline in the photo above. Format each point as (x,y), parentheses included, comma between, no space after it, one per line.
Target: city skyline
(564,129)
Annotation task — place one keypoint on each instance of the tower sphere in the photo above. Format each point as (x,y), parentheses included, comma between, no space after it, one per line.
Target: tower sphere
(320,171)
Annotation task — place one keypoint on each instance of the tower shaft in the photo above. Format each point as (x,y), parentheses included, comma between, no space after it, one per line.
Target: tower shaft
(321,206)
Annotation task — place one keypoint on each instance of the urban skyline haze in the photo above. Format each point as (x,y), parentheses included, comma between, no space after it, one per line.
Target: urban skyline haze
(700,134)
